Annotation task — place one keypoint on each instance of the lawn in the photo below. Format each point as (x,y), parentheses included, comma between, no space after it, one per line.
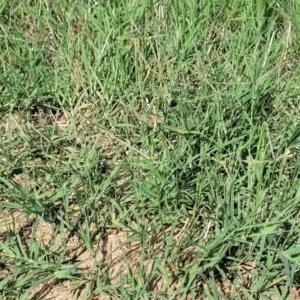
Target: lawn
(149,149)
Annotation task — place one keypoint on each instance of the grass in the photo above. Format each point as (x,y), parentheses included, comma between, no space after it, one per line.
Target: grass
(176,122)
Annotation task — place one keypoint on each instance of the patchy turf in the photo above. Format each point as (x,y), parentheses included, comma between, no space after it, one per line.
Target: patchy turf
(149,149)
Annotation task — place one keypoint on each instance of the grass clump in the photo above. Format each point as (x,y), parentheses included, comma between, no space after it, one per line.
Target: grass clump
(174,124)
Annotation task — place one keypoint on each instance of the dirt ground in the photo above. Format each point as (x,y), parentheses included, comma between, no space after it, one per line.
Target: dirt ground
(113,252)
